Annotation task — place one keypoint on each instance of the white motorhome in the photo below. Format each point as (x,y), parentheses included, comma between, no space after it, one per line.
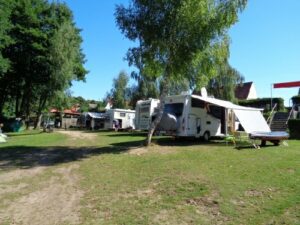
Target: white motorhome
(144,111)
(197,116)
(125,118)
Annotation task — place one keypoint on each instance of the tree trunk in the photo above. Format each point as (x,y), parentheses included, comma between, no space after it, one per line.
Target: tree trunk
(42,104)
(160,112)
(37,123)
(2,101)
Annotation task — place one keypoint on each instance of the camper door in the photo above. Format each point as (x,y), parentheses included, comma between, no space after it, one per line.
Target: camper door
(194,126)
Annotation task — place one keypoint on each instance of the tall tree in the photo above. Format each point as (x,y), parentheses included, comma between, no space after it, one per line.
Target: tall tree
(120,91)
(145,88)
(224,83)
(64,57)
(45,54)
(175,35)
(5,26)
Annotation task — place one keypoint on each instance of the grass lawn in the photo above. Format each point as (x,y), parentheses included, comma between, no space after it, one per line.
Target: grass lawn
(109,178)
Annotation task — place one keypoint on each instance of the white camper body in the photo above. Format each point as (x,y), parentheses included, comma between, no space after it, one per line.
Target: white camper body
(205,117)
(144,111)
(193,120)
(125,118)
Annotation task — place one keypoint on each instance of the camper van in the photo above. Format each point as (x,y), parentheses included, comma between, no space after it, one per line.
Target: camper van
(193,117)
(144,111)
(201,116)
(123,118)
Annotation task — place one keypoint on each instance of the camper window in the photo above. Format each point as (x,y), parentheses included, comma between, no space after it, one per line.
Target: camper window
(122,114)
(175,109)
(197,103)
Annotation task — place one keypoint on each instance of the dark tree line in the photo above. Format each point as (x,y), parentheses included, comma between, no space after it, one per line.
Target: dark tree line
(40,55)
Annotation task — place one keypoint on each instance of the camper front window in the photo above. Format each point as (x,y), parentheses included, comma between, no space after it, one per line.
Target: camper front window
(197,103)
(122,114)
(175,109)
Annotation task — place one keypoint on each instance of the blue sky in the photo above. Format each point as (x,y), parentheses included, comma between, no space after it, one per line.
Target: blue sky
(265,45)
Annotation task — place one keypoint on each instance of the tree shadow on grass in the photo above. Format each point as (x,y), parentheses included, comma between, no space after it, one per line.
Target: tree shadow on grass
(26,157)
(23,134)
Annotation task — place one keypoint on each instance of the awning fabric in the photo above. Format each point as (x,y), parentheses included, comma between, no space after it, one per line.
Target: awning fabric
(96,115)
(251,119)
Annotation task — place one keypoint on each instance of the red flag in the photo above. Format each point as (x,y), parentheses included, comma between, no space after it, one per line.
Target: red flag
(287,84)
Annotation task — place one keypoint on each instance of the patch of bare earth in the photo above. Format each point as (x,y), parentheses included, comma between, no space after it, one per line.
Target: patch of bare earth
(78,135)
(152,149)
(209,207)
(20,174)
(56,202)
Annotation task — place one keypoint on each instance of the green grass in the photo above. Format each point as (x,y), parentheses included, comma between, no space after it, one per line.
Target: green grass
(174,182)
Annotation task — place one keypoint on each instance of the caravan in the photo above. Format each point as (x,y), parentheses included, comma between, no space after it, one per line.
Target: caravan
(123,117)
(202,116)
(144,112)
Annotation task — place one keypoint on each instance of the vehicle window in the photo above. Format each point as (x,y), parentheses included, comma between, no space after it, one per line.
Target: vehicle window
(174,108)
(197,103)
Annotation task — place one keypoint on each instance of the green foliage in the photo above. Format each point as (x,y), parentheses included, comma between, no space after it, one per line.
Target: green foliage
(223,85)
(264,103)
(5,39)
(145,88)
(45,55)
(178,39)
(296,99)
(120,91)
(294,128)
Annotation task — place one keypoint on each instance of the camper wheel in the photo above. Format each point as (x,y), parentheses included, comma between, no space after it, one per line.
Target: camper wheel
(206,136)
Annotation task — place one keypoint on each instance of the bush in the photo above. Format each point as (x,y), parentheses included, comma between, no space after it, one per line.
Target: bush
(264,103)
(294,128)
(296,99)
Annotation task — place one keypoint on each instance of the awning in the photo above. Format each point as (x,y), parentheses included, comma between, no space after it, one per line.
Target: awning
(252,121)
(250,118)
(96,115)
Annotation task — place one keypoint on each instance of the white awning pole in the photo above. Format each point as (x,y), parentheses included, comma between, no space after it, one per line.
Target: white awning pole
(271,107)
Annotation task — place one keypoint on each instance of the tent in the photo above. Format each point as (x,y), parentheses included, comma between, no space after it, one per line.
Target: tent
(2,138)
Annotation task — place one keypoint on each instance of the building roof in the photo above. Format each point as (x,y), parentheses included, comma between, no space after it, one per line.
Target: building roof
(242,90)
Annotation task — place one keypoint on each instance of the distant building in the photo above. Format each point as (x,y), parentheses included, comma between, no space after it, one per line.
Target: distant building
(245,91)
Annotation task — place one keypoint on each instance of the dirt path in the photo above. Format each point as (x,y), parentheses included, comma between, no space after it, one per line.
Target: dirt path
(41,194)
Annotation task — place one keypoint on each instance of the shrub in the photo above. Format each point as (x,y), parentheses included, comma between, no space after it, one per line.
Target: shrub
(264,103)
(296,99)
(294,128)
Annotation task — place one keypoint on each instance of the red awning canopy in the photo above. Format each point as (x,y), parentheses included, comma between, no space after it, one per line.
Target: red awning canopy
(287,84)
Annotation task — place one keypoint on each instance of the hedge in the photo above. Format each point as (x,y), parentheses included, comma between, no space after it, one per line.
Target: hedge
(294,128)
(296,99)
(264,103)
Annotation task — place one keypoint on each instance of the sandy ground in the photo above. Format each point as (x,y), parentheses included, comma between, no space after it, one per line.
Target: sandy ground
(55,201)
(52,198)
(46,195)
(74,134)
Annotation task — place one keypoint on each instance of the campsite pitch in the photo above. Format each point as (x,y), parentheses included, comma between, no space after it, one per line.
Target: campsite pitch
(77,177)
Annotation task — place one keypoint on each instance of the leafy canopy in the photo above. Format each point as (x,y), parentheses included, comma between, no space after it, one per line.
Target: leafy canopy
(175,35)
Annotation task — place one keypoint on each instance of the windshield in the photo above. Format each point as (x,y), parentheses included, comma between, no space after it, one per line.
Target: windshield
(174,108)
